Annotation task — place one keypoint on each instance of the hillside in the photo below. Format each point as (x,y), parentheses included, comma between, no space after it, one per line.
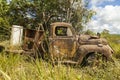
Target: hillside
(114,42)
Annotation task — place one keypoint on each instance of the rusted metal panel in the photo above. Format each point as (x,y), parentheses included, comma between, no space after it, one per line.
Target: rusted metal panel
(32,39)
(86,49)
(62,45)
(60,23)
(91,40)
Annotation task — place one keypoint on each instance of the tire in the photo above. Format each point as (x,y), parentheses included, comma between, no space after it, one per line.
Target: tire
(93,59)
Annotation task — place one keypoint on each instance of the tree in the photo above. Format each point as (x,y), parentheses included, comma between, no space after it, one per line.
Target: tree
(30,13)
(105,31)
(89,32)
(4,21)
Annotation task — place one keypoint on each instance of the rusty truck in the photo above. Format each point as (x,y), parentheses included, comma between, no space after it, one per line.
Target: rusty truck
(63,44)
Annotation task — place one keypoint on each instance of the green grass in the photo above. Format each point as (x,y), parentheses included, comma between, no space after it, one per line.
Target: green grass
(20,67)
(114,42)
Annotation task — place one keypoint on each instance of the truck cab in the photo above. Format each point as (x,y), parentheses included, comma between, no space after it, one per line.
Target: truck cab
(62,40)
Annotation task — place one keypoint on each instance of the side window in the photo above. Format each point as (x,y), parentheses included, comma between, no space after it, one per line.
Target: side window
(62,31)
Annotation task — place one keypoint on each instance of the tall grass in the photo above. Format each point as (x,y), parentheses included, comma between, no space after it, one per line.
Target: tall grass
(18,67)
(114,42)
(21,67)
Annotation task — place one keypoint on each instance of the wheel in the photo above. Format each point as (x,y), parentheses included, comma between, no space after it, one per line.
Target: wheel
(93,59)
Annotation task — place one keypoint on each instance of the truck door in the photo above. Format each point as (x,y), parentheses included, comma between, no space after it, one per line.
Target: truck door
(62,42)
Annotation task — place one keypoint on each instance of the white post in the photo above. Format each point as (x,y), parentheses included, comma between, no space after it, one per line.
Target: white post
(17,34)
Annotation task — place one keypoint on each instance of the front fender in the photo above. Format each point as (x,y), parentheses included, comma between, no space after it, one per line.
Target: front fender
(83,50)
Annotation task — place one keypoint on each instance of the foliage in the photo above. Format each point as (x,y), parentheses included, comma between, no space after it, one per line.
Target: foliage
(30,13)
(19,67)
(105,32)
(89,32)
(114,41)
(4,20)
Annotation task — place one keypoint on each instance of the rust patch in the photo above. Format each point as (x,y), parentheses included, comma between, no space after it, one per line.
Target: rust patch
(32,39)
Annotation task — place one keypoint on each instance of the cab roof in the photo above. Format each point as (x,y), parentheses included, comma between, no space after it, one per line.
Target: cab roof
(60,24)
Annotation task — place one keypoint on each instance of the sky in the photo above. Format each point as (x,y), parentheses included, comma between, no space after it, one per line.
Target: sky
(107,16)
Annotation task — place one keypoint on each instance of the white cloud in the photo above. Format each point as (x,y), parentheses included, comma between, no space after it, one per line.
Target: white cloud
(107,17)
